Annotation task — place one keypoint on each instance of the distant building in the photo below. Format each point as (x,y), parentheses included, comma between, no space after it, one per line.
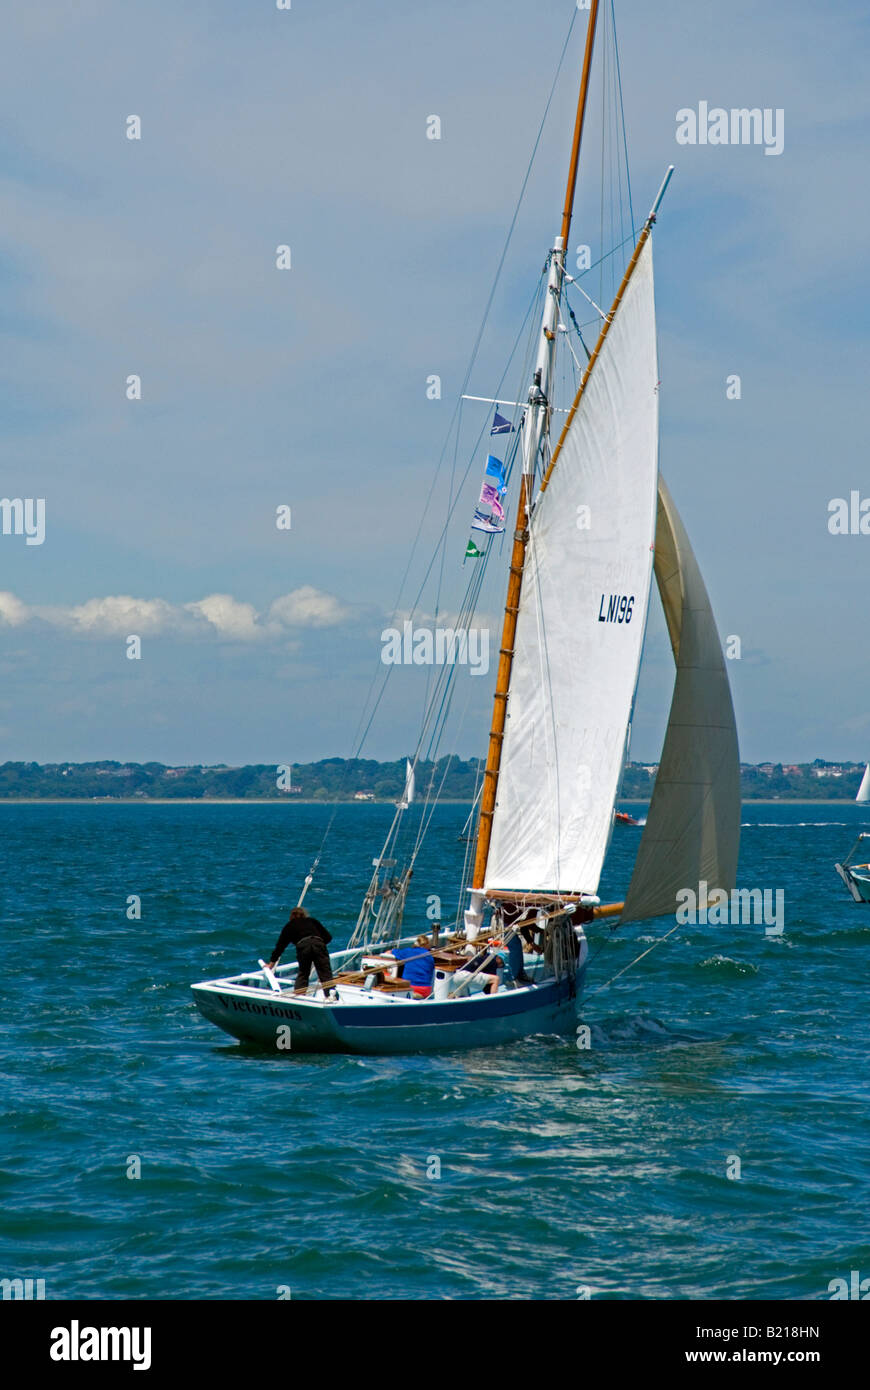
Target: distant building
(363,796)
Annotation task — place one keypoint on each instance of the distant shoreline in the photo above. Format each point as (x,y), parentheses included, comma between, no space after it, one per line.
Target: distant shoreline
(339,781)
(300,801)
(199,801)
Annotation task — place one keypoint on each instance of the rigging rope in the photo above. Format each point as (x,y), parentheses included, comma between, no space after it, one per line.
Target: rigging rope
(625,968)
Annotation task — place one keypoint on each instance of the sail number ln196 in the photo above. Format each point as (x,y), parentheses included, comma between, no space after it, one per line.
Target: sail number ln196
(616,608)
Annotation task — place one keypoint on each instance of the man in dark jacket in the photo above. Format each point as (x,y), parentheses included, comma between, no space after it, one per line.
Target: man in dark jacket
(311,939)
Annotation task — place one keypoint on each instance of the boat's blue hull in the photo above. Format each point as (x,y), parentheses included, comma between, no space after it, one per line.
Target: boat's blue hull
(289,1023)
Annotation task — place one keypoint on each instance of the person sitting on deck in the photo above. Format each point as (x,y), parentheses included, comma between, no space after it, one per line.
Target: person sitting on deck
(418,966)
(311,939)
(486,965)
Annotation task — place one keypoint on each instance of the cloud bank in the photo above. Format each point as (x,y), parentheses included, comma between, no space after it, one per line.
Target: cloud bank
(219,615)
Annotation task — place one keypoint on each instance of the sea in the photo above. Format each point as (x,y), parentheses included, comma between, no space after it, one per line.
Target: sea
(705,1135)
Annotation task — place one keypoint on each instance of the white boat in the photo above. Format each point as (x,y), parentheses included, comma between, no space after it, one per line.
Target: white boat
(863,793)
(856,876)
(374,1018)
(573,631)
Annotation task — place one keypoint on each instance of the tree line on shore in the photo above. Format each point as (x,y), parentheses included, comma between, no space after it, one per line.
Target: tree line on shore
(347,779)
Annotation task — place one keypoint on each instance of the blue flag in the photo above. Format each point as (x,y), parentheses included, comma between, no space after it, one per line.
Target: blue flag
(501,426)
(495,469)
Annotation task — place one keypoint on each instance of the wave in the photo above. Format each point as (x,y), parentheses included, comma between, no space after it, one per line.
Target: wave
(791,824)
(724,965)
(823,937)
(635,1028)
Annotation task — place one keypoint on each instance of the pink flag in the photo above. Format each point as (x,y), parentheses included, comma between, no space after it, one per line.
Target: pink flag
(490,495)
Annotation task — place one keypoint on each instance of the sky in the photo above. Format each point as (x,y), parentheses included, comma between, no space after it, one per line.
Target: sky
(306,388)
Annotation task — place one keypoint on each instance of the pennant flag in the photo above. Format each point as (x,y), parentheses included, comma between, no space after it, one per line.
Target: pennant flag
(500,425)
(472,552)
(495,469)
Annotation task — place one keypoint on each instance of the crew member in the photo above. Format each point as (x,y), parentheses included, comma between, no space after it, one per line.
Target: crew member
(418,966)
(488,963)
(311,939)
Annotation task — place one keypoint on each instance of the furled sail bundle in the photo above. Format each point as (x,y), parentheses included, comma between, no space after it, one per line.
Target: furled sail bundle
(692,834)
(581,619)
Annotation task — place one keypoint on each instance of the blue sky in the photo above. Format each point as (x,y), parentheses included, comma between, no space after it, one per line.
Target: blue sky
(307,387)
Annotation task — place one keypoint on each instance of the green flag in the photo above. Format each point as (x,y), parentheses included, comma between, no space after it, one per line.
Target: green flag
(472,553)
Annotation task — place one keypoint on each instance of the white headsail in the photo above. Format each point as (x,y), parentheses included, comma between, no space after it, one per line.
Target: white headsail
(581,620)
(864,789)
(692,833)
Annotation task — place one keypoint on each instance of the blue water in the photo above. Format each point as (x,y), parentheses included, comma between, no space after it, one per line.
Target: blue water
(560,1168)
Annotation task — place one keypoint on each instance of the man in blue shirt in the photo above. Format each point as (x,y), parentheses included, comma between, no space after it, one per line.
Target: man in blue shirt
(418,966)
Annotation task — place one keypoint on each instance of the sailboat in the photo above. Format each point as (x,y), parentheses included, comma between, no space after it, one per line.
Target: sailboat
(572,638)
(857,876)
(410,786)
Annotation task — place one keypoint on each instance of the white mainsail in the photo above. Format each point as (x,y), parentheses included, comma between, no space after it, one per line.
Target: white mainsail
(692,833)
(581,620)
(864,789)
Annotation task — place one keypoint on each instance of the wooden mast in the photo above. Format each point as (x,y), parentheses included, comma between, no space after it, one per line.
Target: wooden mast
(568,209)
(521,533)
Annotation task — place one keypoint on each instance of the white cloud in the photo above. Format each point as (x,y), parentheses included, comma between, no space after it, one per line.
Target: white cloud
(227,616)
(119,615)
(12,611)
(308,607)
(115,616)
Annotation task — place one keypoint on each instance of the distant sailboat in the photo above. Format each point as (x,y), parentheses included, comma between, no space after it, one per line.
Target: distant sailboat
(410,784)
(571,642)
(857,876)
